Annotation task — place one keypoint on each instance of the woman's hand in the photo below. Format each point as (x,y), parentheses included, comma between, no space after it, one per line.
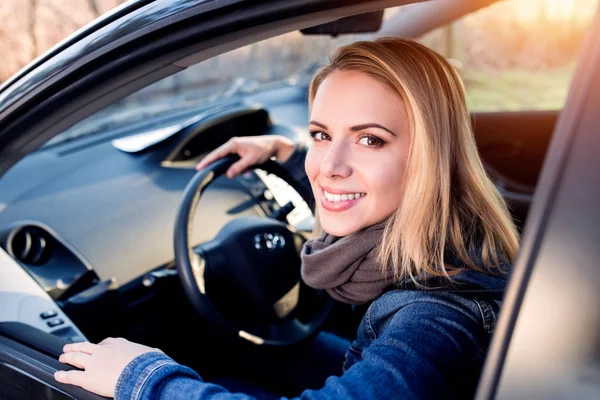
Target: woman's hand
(252,150)
(102,362)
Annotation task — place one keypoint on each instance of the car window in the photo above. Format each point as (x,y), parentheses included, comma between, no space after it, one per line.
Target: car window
(513,55)
(516,55)
(289,59)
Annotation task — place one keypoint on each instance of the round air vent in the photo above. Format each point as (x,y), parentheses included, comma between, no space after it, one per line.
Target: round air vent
(30,245)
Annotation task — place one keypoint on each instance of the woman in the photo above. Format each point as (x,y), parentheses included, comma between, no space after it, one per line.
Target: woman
(408,216)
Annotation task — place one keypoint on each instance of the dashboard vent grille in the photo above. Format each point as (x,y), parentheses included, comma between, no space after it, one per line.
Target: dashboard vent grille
(30,245)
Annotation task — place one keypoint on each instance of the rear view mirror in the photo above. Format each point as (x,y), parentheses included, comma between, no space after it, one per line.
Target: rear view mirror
(362,23)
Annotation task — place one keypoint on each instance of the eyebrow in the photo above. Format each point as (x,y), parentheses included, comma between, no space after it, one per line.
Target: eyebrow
(356,128)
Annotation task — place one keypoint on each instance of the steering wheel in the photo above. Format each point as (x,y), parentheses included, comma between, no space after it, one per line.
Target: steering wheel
(246,281)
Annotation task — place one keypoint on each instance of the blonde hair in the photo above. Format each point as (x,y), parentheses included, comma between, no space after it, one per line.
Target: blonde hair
(449,203)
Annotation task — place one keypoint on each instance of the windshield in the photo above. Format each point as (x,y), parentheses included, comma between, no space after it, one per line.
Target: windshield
(289,59)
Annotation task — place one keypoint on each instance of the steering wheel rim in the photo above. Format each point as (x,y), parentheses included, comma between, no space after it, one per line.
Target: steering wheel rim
(191,265)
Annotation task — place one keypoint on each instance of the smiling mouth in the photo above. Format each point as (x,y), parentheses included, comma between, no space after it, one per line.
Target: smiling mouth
(337,202)
(337,197)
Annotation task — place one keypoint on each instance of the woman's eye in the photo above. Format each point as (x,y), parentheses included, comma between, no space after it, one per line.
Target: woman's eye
(371,141)
(318,136)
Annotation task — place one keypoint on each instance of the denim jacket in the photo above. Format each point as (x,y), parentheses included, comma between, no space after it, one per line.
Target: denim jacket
(410,344)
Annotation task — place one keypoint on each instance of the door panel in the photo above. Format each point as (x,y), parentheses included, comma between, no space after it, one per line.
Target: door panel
(26,373)
(16,384)
(513,146)
(515,143)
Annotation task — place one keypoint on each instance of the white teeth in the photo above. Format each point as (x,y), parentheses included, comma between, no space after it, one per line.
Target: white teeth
(341,197)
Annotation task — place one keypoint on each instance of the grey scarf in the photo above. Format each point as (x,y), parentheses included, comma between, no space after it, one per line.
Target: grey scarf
(347,266)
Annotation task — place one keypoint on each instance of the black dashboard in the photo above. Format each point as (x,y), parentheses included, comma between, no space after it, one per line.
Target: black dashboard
(83,213)
(53,263)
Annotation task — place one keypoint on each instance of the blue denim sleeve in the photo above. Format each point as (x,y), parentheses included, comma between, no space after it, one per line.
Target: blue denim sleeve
(429,349)
(426,351)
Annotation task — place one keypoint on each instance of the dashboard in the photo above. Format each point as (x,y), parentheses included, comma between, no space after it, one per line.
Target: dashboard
(85,224)
(24,300)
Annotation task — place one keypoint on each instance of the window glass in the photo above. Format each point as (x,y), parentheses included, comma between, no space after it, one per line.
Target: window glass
(516,55)
(287,60)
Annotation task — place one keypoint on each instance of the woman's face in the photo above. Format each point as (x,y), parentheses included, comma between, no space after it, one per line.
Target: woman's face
(357,160)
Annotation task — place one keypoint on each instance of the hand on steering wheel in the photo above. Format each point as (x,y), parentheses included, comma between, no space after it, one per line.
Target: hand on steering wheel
(252,150)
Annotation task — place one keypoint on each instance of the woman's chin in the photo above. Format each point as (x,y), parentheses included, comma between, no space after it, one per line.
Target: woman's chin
(339,228)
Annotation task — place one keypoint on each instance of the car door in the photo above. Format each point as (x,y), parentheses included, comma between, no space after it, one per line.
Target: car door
(138,44)
(547,344)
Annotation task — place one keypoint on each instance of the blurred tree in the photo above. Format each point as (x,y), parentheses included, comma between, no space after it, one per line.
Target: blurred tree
(95,8)
(32,14)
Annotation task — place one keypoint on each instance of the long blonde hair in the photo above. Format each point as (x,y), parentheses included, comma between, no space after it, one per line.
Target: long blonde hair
(449,203)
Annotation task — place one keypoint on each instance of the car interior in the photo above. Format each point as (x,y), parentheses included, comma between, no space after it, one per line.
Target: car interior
(87,221)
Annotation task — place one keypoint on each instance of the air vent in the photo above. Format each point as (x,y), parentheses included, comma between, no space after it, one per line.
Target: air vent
(30,245)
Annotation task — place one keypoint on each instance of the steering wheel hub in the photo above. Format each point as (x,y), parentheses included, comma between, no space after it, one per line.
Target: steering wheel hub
(255,277)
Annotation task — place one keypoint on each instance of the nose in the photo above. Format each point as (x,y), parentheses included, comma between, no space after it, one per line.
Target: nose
(335,164)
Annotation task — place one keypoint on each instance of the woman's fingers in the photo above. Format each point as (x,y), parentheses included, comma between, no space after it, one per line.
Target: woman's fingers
(111,340)
(219,152)
(79,360)
(81,347)
(240,166)
(252,150)
(70,377)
